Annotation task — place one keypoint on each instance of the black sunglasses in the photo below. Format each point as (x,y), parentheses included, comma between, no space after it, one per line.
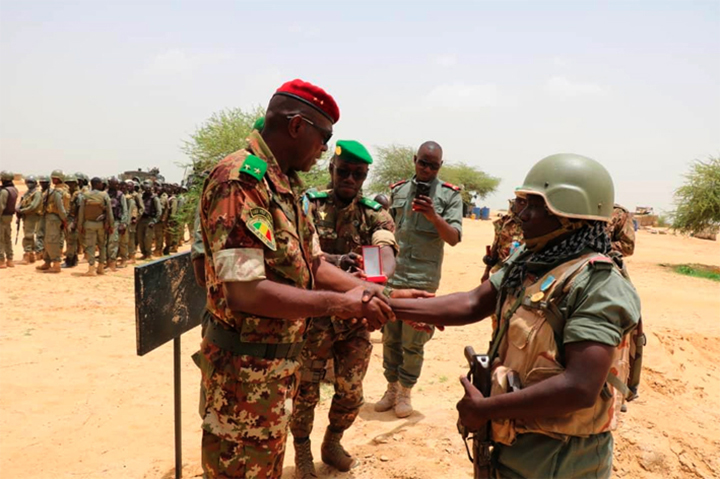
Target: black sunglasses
(356,174)
(429,165)
(327,134)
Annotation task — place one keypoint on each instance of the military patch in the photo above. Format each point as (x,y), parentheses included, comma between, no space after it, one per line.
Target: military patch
(338,150)
(323,214)
(305,205)
(254,166)
(537,296)
(316,195)
(371,203)
(547,283)
(260,224)
(401,182)
(451,186)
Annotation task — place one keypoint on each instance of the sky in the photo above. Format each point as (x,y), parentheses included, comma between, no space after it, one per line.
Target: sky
(102,87)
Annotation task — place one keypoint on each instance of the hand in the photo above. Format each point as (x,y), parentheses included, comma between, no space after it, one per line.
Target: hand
(122,229)
(424,205)
(361,302)
(470,407)
(410,294)
(133,221)
(424,327)
(351,262)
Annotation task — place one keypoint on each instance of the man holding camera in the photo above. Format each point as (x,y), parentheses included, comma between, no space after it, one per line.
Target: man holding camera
(427,214)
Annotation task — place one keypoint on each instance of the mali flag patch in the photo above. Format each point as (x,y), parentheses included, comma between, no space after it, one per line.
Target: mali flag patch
(260,224)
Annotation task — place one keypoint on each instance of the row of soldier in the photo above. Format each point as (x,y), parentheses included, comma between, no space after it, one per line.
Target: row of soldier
(106,220)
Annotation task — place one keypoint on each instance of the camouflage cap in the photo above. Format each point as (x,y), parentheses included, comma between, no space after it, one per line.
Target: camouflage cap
(6,175)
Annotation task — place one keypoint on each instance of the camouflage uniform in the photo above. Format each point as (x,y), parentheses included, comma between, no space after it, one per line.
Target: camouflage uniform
(507,232)
(73,237)
(40,231)
(152,210)
(249,398)
(135,211)
(171,227)
(341,231)
(8,200)
(30,209)
(161,225)
(96,217)
(578,444)
(621,231)
(58,203)
(120,216)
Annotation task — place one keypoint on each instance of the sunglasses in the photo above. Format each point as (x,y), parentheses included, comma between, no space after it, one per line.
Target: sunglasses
(327,134)
(425,164)
(356,174)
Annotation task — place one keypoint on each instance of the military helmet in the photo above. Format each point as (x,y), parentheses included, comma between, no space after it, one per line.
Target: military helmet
(129,182)
(147,184)
(6,175)
(58,174)
(71,178)
(30,179)
(573,186)
(43,179)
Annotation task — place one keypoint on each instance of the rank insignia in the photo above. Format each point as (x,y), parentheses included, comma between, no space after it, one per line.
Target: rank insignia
(547,283)
(254,166)
(338,150)
(323,214)
(260,224)
(305,205)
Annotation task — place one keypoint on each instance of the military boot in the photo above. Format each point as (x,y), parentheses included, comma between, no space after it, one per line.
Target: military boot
(388,400)
(43,267)
(10,263)
(333,454)
(120,263)
(68,262)
(111,266)
(90,271)
(31,258)
(54,268)
(3,265)
(403,407)
(26,258)
(304,465)
(100,269)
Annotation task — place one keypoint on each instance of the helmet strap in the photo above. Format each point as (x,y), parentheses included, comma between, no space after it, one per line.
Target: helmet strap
(566,226)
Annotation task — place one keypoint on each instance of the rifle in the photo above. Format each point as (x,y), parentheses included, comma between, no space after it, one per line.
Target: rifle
(479,375)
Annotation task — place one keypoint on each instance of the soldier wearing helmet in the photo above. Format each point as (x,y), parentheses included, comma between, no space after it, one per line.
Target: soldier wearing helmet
(508,236)
(95,222)
(8,200)
(152,210)
(560,356)
(44,181)
(135,211)
(30,211)
(72,237)
(161,190)
(56,216)
(120,215)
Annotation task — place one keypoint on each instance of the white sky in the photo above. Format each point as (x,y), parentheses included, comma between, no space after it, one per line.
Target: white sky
(102,87)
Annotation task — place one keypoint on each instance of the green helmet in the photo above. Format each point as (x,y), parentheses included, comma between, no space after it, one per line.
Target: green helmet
(147,184)
(58,174)
(43,179)
(573,186)
(30,179)
(6,175)
(71,178)
(80,176)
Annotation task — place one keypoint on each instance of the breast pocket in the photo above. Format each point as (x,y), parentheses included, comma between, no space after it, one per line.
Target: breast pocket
(397,210)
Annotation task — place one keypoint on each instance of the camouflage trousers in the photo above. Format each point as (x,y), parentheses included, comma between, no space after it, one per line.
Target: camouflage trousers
(145,235)
(246,411)
(159,237)
(54,237)
(6,246)
(123,252)
(95,237)
(113,242)
(30,226)
(350,350)
(131,240)
(40,236)
(72,243)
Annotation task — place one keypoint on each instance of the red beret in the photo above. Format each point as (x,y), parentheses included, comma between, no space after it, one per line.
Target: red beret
(312,95)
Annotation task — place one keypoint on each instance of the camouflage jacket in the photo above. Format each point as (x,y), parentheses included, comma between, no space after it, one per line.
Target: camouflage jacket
(256,229)
(621,231)
(343,230)
(507,231)
(31,202)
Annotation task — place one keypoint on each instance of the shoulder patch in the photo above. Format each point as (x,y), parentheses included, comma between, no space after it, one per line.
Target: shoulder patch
(601,262)
(254,167)
(451,186)
(395,185)
(317,195)
(371,203)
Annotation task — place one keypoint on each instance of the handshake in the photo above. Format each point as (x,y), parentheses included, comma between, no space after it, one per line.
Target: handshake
(369,305)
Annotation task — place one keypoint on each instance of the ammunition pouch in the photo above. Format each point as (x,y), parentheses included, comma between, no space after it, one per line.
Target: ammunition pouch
(230,341)
(93,211)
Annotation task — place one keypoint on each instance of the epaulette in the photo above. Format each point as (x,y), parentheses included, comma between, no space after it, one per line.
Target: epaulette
(601,262)
(451,186)
(401,182)
(372,204)
(254,167)
(316,195)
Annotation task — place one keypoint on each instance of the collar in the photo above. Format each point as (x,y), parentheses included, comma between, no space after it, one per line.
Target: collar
(288,184)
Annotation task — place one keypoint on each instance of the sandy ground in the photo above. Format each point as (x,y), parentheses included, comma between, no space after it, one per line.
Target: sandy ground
(76,401)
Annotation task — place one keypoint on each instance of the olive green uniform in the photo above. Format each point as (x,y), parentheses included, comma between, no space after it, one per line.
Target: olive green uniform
(58,203)
(161,225)
(30,209)
(419,265)
(96,218)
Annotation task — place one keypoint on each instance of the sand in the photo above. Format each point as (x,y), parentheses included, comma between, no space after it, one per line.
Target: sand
(77,402)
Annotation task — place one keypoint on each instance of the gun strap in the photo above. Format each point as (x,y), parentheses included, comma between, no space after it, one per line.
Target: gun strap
(504,322)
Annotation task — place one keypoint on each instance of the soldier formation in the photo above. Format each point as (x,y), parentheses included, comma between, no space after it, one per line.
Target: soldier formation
(95,218)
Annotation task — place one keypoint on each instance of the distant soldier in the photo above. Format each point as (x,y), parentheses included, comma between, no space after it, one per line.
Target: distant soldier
(346,221)
(72,236)
(135,211)
(119,207)
(8,200)
(621,231)
(161,225)
(58,204)
(150,216)
(171,226)
(30,211)
(96,221)
(508,237)
(44,181)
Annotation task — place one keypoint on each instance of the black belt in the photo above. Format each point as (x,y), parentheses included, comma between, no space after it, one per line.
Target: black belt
(230,341)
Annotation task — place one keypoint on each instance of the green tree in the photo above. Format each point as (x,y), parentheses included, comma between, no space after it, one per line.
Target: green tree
(698,200)
(471,179)
(319,176)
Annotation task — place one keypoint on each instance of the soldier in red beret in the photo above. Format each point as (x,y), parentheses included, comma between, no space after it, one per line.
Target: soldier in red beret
(263,268)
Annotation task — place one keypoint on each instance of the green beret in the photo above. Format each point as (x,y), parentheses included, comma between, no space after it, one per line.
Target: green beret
(352,151)
(259,124)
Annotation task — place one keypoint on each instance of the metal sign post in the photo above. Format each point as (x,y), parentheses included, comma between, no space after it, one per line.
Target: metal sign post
(168,302)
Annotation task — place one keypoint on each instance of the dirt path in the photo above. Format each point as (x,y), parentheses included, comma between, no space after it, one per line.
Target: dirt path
(76,402)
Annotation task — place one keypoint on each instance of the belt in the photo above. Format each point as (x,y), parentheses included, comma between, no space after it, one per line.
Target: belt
(230,341)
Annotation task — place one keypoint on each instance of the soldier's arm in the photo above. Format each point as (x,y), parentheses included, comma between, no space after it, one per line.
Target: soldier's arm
(35,201)
(109,217)
(60,206)
(4,195)
(125,219)
(625,241)
(449,225)
(383,235)
(139,204)
(158,209)
(81,215)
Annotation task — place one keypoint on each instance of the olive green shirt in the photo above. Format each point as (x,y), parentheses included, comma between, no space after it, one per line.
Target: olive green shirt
(419,263)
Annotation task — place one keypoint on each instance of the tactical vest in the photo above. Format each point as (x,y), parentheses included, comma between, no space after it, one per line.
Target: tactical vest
(116,205)
(51,206)
(94,206)
(529,348)
(149,204)
(27,200)
(132,206)
(11,200)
